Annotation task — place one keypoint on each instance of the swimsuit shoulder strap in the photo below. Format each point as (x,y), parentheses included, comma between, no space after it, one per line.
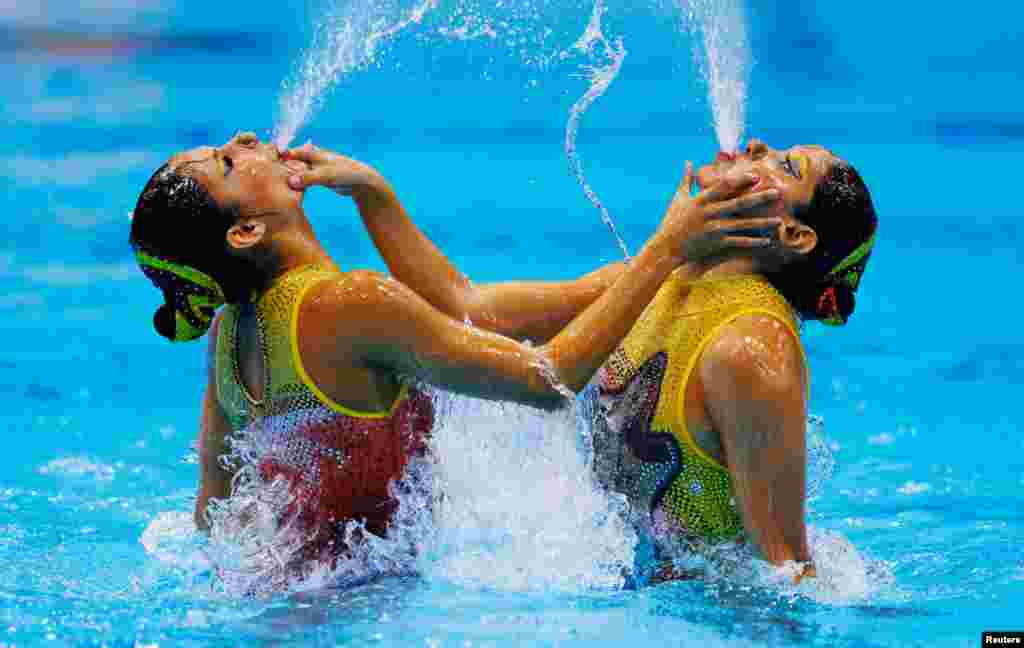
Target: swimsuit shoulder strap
(279,310)
(720,303)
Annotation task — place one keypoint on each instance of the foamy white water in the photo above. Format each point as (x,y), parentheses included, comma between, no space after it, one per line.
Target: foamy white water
(344,40)
(506,501)
(519,508)
(601,77)
(724,60)
(845,575)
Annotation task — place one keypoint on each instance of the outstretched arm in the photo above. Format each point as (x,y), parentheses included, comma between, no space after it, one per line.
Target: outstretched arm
(538,310)
(377,323)
(521,310)
(755,382)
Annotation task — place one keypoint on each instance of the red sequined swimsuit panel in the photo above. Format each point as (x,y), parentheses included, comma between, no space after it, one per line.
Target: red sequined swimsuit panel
(353,462)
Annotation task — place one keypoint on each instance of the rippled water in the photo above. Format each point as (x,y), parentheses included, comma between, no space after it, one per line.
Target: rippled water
(916,533)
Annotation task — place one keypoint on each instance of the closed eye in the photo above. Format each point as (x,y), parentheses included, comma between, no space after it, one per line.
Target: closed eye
(791,168)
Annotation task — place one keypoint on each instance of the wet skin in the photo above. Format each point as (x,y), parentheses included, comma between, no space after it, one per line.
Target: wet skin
(359,333)
(746,404)
(749,406)
(244,173)
(794,172)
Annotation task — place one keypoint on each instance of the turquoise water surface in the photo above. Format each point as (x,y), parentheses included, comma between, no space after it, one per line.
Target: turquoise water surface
(918,533)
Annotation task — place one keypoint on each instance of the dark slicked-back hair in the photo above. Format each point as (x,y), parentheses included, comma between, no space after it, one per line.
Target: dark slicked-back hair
(177,219)
(843,216)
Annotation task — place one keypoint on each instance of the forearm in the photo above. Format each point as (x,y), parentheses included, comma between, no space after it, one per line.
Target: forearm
(579,350)
(411,257)
(769,469)
(774,522)
(774,517)
(767,462)
(525,310)
(535,310)
(214,481)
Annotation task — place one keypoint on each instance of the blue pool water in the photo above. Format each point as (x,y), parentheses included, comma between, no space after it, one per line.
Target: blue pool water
(918,533)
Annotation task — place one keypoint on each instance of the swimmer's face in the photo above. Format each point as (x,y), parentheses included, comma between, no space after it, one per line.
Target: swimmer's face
(794,172)
(243,174)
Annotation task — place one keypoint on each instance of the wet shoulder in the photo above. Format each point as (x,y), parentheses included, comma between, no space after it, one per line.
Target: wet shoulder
(756,350)
(333,323)
(350,291)
(326,303)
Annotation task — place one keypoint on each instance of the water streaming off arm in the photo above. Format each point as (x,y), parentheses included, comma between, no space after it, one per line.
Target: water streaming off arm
(343,42)
(723,57)
(520,509)
(601,78)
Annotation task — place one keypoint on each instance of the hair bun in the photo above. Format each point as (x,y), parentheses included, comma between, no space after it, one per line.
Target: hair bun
(164,321)
(835,304)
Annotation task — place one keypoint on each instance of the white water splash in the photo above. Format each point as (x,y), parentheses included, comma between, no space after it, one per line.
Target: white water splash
(601,77)
(259,544)
(821,461)
(171,538)
(79,468)
(505,501)
(845,576)
(343,42)
(724,62)
(520,509)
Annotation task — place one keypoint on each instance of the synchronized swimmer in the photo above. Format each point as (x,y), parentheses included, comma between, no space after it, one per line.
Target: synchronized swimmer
(702,410)
(322,364)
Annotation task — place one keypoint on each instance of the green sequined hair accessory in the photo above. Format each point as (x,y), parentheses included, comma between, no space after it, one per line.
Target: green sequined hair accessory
(846,275)
(193,296)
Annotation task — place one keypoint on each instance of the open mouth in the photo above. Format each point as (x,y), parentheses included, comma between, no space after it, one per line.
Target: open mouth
(292,165)
(709,174)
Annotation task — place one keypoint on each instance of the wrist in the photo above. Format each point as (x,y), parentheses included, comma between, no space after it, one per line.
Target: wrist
(667,247)
(375,192)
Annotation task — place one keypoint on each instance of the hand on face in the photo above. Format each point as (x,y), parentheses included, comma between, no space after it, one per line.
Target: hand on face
(726,217)
(338,173)
(794,172)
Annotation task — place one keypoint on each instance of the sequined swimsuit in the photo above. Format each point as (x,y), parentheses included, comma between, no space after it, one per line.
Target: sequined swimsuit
(643,447)
(338,461)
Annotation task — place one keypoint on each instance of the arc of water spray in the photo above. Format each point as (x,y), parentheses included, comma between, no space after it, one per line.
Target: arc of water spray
(414,17)
(339,47)
(601,77)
